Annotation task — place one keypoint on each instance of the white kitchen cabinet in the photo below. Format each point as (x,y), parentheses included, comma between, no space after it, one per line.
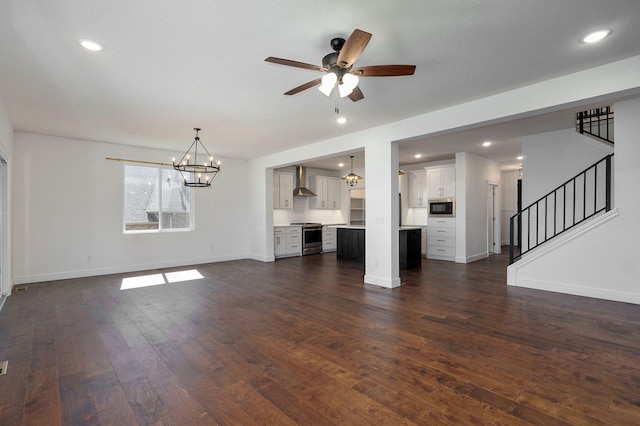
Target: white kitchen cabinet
(329,239)
(423,241)
(441,238)
(287,241)
(282,190)
(417,189)
(441,182)
(327,190)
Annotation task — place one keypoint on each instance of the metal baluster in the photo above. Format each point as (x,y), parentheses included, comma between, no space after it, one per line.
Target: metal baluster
(608,183)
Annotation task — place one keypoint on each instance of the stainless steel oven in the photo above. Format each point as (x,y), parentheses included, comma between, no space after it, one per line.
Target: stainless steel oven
(311,238)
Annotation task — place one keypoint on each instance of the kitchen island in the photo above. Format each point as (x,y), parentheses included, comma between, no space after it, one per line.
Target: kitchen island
(351,245)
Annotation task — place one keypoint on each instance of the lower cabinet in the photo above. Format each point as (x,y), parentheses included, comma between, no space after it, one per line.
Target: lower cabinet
(287,241)
(329,242)
(441,238)
(410,244)
(351,244)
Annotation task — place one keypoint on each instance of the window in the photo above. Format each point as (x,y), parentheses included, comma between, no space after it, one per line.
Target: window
(156,200)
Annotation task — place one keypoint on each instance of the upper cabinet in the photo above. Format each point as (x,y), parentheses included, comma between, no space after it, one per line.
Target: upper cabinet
(327,190)
(282,190)
(417,188)
(441,182)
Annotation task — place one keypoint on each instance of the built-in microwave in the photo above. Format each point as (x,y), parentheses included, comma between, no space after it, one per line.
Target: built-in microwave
(445,207)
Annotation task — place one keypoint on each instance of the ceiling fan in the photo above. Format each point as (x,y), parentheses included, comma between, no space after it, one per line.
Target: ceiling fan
(338,67)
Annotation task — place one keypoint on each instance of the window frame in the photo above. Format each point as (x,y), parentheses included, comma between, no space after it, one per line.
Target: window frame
(161,228)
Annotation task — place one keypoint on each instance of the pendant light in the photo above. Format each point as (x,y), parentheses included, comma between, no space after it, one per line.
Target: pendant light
(197,166)
(351,178)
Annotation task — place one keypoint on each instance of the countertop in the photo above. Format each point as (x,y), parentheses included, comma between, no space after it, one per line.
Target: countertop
(402,228)
(323,224)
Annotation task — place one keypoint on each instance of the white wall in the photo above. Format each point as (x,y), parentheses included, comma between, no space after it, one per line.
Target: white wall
(508,201)
(605,261)
(473,174)
(550,159)
(6,133)
(68,213)
(6,151)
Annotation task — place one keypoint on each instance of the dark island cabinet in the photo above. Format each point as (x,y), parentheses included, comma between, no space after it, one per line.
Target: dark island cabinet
(410,248)
(351,246)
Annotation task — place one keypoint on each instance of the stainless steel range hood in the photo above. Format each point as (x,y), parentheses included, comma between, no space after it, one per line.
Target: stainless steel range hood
(301,180)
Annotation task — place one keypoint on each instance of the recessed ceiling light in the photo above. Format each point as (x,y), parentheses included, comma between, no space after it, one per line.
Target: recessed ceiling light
(519,157)
(487,143)
(595,36)
(340,164)
(94,46)
(418,155)
(341,120)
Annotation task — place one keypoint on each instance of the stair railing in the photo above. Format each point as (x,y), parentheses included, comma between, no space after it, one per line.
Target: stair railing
(597,122)
(578,199)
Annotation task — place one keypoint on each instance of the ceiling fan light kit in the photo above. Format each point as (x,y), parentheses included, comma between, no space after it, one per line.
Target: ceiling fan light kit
(328,82)
(338,67)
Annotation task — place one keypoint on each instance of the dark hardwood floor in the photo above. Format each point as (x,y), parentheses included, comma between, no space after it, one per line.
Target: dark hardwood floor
(303,341)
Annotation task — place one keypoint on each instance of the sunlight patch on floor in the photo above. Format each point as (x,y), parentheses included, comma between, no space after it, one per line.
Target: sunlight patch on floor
(160,279)
(178,276)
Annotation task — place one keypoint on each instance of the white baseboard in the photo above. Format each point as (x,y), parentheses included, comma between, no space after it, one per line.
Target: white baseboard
(597,293)
(382,282)
(469,259)
(262,258)
(67,275)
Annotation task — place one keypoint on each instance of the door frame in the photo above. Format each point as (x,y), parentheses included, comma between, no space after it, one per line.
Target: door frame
(493,205)
(5,231)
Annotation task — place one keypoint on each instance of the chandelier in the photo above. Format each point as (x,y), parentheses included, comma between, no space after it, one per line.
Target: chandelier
(352,178)
(197,166)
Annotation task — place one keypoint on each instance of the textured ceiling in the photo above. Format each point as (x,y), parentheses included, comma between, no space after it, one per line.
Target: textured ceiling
(170,66)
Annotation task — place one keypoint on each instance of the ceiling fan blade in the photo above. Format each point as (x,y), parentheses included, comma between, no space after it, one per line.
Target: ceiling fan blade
(296,64)
(353,47)
(384,70)
(305,86)
(356,95)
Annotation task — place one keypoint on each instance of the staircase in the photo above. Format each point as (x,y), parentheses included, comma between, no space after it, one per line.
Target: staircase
(597,123)
(578,199)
